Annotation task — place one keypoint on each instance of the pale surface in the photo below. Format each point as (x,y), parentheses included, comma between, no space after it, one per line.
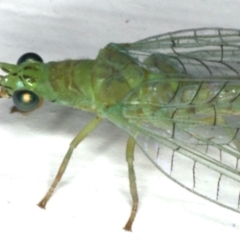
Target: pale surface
(93,200)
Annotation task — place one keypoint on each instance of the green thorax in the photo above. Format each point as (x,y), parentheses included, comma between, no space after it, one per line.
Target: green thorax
(91,85)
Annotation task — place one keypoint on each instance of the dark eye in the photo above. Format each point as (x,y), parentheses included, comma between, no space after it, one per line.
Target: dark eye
(25,100)
(29,57)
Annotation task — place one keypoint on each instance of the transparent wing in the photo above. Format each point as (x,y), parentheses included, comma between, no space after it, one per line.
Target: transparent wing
(187,123)
(208,170)
(196,52)
(201,165)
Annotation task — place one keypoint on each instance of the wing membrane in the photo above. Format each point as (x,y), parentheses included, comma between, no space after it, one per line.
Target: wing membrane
(208,170)
(198,52)
(190,133)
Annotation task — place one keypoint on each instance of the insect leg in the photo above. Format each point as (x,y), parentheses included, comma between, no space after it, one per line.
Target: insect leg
(132,181)
(85,131)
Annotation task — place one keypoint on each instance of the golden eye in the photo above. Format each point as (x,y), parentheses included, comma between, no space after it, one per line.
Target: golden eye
(25,100)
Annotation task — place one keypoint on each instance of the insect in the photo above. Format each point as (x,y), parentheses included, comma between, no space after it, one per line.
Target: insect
(177,95)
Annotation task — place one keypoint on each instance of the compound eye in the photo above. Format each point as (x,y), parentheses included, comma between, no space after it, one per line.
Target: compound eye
(29,57)
(25,100)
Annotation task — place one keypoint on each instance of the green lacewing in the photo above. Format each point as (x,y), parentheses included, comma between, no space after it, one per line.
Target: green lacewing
(177,95)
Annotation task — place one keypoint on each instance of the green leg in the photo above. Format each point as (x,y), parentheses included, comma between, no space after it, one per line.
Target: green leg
(85,131)
(132,181)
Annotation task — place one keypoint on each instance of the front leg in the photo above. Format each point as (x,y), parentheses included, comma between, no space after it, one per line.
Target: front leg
(85,131)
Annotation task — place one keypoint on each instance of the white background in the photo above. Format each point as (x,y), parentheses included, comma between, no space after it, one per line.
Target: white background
(93,200)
